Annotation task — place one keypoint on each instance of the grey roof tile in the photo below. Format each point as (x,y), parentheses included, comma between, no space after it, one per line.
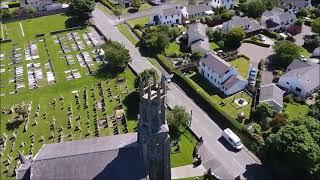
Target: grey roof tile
(271,92)
(215,63)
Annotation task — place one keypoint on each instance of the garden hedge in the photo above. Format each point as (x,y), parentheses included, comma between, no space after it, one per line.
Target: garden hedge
(256,43)
(138,33)
(14,4)
(165,63)
(109,5)
(270,34)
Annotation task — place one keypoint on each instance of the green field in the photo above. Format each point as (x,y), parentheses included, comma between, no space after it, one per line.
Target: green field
(56,103)
(141,21)
(173,48)
(214,46)
(125,30)
(242,66)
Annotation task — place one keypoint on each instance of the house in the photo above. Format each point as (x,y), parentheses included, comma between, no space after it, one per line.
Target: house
(197,10)
(140,155)
(250,26)
(272,95)
(41,5)
(277,20)
(167,16)
(316,52)
(221,74)
(296,5)
(228,4)
(301,77)
(197,39)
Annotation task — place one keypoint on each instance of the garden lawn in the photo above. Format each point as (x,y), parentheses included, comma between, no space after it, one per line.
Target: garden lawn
(296,110)
(214,46)
(125,30)
(173,48)
(141,21)
(242,66)
(184,157)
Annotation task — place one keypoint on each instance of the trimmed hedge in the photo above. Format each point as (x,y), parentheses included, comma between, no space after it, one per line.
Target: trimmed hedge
(14,4)
(270,34)
(256,43)
(110,5)
(138,33)
(65,30)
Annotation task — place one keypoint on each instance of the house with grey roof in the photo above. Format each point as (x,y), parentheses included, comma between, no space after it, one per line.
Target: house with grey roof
(197,39)
(221,74)
(272,95)
(166,16)
(192,11)
(296,5)
(128,3)
(250,26)
(228,4)
(277,19)
(301,77)
(141,155)
(41,5)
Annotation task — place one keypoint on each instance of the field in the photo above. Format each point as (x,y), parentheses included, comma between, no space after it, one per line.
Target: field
(125,30)
(242,66)
(141,21)
(62,110)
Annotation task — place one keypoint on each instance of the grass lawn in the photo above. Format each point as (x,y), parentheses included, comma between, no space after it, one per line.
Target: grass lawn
(242,66)
(184,157)
(304,52)
(296,110)
(230,109)
(144,6)
(124,29)
(104,9)
(214,46)
(154,62)
(46,94)
(172,49)
(142,21)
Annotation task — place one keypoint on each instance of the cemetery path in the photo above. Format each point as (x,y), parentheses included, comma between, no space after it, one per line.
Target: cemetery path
(242,163)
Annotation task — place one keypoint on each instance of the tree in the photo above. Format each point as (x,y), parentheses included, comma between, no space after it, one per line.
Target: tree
(316,25)
(81,8)
(263,111)
(286,52)
(116,54)
(4,13)
(270,4)
(294,150)
(279,120)
(173,33)
(234,37)
(255,8)
(314,110)
(149,74)
(155,42)
(294,29)
(214,35)
(311,42)
(136,4)
(178,119)
(22,110)
(196,55)
(303,12)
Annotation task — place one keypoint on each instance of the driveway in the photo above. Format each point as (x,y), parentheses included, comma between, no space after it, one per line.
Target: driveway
(306,30)
(255,53)
(242,163)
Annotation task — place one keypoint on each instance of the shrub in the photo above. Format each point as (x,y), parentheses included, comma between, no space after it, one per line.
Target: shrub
(167,65)
(137,26)
(256,43)
(288,99)
(220,44)
(14,4)
(138,33)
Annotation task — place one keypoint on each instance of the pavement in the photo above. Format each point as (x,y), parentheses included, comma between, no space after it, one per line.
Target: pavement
(306,30)
(242,163)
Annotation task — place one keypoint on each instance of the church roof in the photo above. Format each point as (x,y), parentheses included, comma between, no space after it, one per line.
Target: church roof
(111,157)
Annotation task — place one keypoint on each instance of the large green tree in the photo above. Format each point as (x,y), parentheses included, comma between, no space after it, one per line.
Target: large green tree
(255,8)
(22,110)
(294,150)
(116,54)
(286,52)
(178,118)
(136,4)
(81,8)
(316,25)
(234,37)
(155,42)
(315,109)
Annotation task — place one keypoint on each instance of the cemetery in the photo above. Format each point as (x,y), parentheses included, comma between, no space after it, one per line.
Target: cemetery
(53,77)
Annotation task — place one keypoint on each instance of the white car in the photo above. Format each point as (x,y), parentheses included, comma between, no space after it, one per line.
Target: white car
(232,139)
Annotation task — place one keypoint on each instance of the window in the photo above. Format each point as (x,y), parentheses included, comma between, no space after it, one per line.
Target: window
(298,89)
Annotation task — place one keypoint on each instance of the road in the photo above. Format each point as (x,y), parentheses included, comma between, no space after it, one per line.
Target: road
(242,163)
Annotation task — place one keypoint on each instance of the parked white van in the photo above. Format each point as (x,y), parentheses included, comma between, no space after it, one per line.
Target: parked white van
(232,138)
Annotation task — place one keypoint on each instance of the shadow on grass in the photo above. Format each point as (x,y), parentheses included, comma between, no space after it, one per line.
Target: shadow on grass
(204,84)
(13,125)
(108,72)
(132,103)
(74,22)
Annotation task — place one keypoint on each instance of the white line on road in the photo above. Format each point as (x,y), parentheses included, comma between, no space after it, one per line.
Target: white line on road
(21,29)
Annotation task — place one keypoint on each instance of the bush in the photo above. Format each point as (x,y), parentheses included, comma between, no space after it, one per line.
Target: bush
(138,33)
(111,6)
(288,99)
(165,63)
(137,26)
(270,34)
(261,64)
(257,128)
(256,43)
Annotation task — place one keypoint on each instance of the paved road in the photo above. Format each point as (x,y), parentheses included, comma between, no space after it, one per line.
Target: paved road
(255,53)
(237,163)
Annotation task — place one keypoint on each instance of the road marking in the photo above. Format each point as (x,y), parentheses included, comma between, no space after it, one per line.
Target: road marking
(21,29)
(2,36)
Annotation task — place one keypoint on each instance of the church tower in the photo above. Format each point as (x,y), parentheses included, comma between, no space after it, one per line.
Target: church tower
(153,131)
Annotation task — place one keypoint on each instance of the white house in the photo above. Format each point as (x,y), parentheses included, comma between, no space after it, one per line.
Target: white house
(296,5)
(167,16)
(272,95)
(277,19)
(197,10)
(221,74)
(41,5)
(197,39)
(248,25)
(228,4)
(301,78)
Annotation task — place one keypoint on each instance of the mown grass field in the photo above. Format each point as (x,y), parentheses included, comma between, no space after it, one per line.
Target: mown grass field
(125,30)
(242,66)
(141,21)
